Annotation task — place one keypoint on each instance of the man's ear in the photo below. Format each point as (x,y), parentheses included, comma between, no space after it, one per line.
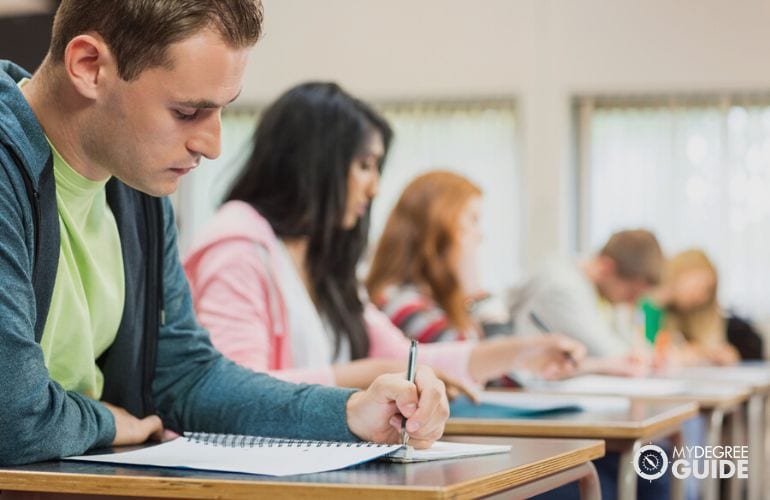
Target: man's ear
(607,266)
(89,64)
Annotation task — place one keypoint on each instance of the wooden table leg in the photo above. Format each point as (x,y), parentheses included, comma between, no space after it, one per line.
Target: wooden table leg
(756,419)
(677,485)
(590,489)
(585,474)
(714,423)
(736,430)
(626,473)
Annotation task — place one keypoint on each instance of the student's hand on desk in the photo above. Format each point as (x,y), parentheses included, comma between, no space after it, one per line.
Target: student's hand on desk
(456,387)
(132,430)
(551,356)
(633,364)
(375,414)
(722,355)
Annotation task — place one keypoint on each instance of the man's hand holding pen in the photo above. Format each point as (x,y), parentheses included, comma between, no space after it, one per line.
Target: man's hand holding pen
(376,413)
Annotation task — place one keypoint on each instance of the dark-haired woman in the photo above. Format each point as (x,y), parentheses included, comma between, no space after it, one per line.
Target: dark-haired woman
(273,274)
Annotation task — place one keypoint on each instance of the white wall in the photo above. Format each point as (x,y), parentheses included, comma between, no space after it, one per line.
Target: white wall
(540,51)
(24,7)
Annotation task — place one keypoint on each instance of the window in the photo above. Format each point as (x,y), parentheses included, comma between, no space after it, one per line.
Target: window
(476,140)
(694,170)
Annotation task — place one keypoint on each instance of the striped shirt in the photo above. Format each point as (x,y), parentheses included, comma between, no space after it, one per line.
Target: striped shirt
(418,315)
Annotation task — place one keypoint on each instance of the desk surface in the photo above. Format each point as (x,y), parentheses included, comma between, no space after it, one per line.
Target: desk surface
(755,376)
(717,394)
(715,391)
(642,419)
(529,459)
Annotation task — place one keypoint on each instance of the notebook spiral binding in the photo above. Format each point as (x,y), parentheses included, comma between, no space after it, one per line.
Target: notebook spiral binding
(241,441)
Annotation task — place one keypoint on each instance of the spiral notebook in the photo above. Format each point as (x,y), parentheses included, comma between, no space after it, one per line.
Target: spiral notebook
(277,457)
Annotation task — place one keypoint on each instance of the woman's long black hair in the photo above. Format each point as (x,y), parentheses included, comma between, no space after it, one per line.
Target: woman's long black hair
(297,178)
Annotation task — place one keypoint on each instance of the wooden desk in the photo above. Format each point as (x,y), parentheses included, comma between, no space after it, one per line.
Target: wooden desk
(625,430)
(717,400)
(533,466)
(755,376)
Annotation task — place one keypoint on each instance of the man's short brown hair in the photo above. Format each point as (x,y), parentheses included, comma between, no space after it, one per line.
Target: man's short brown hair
(637,255)
(138,32)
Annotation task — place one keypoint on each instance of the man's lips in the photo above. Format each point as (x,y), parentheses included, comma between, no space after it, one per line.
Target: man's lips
(182,170)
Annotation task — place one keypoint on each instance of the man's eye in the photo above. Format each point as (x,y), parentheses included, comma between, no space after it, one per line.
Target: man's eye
(186,116)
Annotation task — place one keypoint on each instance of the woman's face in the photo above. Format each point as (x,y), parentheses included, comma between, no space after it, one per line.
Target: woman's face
(693,289)
(468,240)
(363,180)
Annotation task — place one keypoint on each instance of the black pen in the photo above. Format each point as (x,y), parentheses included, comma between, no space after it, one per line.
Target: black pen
(410,373)
(543,328)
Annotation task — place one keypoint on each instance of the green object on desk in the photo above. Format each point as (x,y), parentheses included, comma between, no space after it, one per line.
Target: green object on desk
(653,319)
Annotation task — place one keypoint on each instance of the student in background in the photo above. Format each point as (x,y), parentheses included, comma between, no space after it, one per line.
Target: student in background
(423,274)
(579,299)
(98,340)
(273,274)
(686,304)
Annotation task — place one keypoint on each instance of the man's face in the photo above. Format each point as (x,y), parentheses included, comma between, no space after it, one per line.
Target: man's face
(151,131)
(618,290)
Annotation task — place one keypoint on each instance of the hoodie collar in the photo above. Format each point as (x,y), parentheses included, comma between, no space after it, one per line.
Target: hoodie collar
(20,130)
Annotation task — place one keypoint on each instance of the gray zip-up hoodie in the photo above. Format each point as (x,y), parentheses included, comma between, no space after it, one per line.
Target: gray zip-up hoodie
(161,361)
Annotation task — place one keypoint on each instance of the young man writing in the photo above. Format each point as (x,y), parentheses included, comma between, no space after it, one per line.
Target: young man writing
(98,342)
(577,298)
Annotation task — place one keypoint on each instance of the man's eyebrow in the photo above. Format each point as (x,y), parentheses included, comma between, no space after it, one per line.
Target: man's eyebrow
(205,104)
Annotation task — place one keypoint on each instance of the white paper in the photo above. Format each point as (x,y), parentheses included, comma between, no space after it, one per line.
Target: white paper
(736,374)
(302,457)
(265,460)
(442,450)
(536,402)
(624,386)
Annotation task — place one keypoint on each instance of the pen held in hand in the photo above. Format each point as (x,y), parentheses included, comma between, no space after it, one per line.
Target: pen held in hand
(543,328)
(410,373)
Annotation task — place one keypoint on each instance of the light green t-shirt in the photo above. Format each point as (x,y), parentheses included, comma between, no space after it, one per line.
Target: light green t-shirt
(88,295)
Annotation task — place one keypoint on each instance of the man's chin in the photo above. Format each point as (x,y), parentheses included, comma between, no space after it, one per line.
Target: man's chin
(157,189)
(164,190)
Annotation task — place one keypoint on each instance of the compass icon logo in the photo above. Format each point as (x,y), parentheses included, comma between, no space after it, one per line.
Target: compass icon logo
(651,462)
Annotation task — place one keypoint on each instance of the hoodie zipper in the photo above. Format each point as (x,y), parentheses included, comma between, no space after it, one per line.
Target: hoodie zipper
(154,231)
(34,198)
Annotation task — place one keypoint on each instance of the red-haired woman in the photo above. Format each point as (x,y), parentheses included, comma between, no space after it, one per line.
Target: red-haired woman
(423,275)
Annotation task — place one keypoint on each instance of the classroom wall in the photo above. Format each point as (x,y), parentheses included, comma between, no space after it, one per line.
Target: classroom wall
(24,7)
(541,52)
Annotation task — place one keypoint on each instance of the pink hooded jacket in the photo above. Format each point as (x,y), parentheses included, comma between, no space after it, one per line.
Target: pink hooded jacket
(231,269)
